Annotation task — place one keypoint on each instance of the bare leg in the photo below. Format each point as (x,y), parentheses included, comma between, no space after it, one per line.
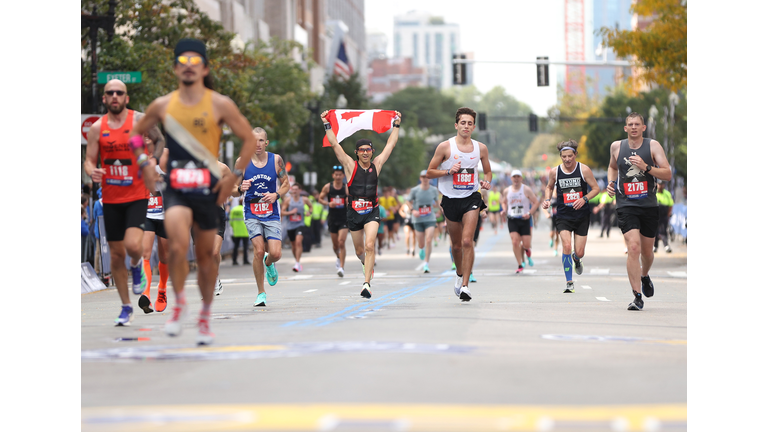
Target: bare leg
(207,268)
(342,245)
(429,233)
(258,261)
(515,236)
(371,229)
(178,221)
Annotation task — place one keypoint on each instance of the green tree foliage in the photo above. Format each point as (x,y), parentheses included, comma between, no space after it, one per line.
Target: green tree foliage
(265,82)
(661,49)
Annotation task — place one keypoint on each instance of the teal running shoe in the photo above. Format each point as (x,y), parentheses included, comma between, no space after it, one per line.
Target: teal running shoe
(530,262)
(422,254)
(426,268)
(472,278)
(271,272)
(261,300)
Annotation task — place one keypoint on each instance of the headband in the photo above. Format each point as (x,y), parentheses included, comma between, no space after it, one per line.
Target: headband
(567,148)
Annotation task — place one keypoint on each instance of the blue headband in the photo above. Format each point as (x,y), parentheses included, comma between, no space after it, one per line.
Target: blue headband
(567,148)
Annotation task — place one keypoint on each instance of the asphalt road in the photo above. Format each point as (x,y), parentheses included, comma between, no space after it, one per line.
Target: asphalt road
(522,355)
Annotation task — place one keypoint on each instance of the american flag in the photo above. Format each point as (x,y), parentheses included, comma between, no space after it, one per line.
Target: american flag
(341,66)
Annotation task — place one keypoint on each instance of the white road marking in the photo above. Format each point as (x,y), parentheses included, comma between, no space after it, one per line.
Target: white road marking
(345,283)
(598,271)
(419,267)
(312,290)
(227,280)
(586,287)
(602,298)
(300,277)
(680,274)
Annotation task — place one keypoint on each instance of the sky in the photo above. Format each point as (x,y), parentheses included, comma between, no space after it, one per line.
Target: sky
(494,30)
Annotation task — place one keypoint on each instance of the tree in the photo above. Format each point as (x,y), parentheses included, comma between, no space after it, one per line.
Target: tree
(659,49)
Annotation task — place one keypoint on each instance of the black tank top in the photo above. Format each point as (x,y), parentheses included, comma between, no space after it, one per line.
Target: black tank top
(337,201)
(635,187)
(364,183)
(570,188)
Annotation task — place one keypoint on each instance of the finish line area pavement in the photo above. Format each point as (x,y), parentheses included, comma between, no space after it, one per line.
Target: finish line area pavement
(520,356)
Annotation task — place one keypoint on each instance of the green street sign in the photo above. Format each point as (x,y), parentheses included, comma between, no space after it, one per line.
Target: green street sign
(126,77)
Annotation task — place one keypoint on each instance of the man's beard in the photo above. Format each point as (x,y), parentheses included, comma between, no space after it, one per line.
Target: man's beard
(187,82)
(116,109)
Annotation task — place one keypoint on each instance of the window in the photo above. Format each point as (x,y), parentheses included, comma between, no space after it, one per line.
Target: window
(397,45)
(415,49)
(426,49)
(439,48)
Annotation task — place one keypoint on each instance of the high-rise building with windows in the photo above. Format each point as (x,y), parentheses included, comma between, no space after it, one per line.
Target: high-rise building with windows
(430,42)
(611,14)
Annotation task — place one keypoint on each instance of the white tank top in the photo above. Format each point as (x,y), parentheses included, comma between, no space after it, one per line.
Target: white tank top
(155,208)
(465,182)
(517,203)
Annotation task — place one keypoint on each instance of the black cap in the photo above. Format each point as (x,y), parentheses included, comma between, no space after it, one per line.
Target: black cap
(362,142)
(193,45)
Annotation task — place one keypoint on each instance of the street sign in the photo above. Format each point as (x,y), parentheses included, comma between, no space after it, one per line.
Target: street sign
(126,77)
(459,70)
(86,120)
(542,73)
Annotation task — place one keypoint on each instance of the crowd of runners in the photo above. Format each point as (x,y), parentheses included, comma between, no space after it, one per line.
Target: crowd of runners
(171,186)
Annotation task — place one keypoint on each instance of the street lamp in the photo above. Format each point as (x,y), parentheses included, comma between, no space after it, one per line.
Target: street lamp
(94,22)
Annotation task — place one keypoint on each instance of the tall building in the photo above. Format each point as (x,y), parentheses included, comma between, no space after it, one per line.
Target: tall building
(611,14)
(245,18)
(352,14)
(430,43)
(387,76)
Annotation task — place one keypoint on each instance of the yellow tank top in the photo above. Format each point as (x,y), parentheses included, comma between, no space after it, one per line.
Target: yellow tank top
(192,129)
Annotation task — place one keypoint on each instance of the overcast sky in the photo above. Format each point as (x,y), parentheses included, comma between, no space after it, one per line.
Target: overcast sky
(494,30)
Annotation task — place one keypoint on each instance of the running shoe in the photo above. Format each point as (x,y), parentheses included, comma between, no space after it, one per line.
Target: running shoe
(464,294)
(340,272)
(413,252)
(568,287)
(145,304)
(366,292)
(125,318)
(577,264)
(457,285)
(297,267)
(530,261)
(453,266)
(422,254)
(338,263)
(647,286)
(637,303)
(519,269)
(204,334)
(551,242)
(523,263)
(654,249)
(426,267)
(472,277)
(261,300)
(161,302)
(555,254)
(219,288)
(173,325)
(407,252)
(139,279)
(668,249)
(271,271)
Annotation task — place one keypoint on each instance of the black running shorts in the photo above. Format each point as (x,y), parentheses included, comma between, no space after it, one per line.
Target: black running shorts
(156,226)
(222,221)
(204,209)
(645,219)
(519,225)
(120,217)
(356,221)
(337,223)
(292,233)
(580,227)
(455,208)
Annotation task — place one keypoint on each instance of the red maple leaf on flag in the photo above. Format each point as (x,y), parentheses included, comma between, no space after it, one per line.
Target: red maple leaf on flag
(351,115)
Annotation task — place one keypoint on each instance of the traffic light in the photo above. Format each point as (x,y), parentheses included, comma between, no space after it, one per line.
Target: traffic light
(542,73)
(533,123)
(481,121)
(459,70)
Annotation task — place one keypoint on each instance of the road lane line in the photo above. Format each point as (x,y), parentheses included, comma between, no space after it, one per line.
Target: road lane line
(586,287)
(602,298)
(312,290)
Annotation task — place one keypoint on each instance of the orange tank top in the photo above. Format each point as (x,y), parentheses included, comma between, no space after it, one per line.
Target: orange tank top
(121,183)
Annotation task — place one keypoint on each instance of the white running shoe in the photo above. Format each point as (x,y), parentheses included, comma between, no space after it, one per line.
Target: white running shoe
(204,334)
(340,272)
(465,295)
(338,263)
(219,287)
(457,285)
(173,325)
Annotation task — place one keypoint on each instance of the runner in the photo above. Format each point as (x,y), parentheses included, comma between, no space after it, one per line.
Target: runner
(153,225)
(389,202)
(554,239)
(334,195)
(607,205)
(265,181)
(293,209)
(221,229)
(410,235)
(455,166)
(422,199)
(124,195)
(494,208)
(192,117)
(517,203)
(363,178)
(636,163)
(570,180)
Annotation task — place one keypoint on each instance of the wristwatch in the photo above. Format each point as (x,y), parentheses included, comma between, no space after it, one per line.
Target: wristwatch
(648,168)
(278,196)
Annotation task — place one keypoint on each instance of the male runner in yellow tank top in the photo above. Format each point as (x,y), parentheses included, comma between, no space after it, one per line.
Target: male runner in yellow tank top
(192,118)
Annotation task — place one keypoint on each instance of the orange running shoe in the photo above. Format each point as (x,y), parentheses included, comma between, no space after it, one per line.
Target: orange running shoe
(161,301)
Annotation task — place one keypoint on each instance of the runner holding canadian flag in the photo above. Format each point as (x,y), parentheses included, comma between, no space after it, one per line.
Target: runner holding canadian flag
(363,175)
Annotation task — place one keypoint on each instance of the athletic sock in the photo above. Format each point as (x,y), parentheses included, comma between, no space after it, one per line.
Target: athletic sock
(148,272)
(567,266)
(163,276)
(181,298)
(206,309)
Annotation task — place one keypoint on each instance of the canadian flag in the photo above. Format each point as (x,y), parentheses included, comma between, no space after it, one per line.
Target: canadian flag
(346,122)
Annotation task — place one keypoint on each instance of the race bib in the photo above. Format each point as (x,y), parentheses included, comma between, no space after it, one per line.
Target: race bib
(362,206)
(261,209)
(190,179)
(425,210)
(118,172)
(337,202)
(635,190)
(464,179)
(155,204)
(515,212)
(571,197)
(295,218)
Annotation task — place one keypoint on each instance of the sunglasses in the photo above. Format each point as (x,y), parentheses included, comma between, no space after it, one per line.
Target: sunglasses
(365,150)
(111,92)
(189,60)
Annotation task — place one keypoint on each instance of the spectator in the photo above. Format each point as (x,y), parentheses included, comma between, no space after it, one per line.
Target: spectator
(239,231)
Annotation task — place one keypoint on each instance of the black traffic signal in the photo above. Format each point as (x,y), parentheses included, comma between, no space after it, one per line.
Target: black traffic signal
(459,70)
(533,123)
(542,73)
(481,121)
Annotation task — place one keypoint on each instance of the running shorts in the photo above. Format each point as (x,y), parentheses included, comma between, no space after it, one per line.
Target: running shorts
(292,233)
(204,209)
(222,222)
(120,217)
(272,229)
(519,225)
(356,221)
(646,219)
(156,226)
(422,226)
(336,224)
(455,208)
(580,227)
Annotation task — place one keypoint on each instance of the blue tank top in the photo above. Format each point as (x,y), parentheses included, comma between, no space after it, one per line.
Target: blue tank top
(263,180)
